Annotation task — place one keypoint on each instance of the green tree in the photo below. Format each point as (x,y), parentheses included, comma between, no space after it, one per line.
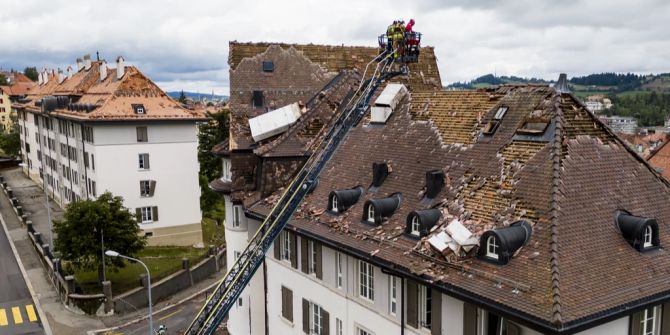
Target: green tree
(211,133)
(31,72)
(83,225)
(10,143)
(3,80)
(182,97)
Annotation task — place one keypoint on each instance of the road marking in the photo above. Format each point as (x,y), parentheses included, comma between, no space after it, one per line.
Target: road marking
(3,317)
(18,319)
(171,314)
(32,317)
(113,332)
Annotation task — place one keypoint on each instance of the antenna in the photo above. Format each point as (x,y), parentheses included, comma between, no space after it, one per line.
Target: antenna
(97,55)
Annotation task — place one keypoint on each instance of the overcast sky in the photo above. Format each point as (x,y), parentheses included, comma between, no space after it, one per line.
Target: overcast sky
(184,44)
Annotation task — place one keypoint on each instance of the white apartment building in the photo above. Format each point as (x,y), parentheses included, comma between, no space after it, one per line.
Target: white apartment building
(102,129)
(621,124)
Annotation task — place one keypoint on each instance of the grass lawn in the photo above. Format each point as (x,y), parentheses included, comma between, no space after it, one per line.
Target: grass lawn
(161,261)
(212,234)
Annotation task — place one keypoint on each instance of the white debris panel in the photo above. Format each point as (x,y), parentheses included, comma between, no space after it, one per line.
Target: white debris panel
(274,122)
(455,237)
(387,102)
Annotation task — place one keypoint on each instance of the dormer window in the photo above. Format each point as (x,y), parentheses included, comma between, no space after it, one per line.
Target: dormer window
(415,226)
(138,108)
(371,214)
(375,210)
(640,232)
(333,204)
(492,247)
(340,200)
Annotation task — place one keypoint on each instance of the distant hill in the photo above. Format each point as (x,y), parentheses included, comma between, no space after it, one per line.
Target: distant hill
(601,83)
(198,96)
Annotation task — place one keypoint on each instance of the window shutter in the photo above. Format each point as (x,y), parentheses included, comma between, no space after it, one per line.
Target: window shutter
(665,319)
(304,255)
(287,303)
(305,316)
(139,134)
(635,323)
(325,322)
(436,312)
(319,262)
(138,215)
(154,213)
(152,187)
(469,319)
(277,246)
(412,304)
(146,161)
(294,250)
(141,189)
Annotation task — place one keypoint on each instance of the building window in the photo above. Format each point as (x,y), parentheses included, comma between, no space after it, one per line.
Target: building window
(371,213)
(138,108)
(142,135)
(492,247)
(95,194)
(339,327)
(393,295)
(415,225)
(363,331)
(268,66)
(366,284)
(316,320)
(333,204)
(425,307)
(147,188)
(648,234)
(312,257)
(285,241)
(287,303)
(339,269)
(144,161)
(226,170)
(147,214)
(257,99)
(650,321)
(500,113)
(236,216)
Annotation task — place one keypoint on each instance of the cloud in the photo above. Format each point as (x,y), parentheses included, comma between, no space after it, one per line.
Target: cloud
(184,44)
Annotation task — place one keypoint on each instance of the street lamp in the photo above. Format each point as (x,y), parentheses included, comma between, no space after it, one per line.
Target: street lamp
(46,196)
(112,253)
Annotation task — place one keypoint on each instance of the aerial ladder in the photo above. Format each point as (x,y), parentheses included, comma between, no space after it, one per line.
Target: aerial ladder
(240,273)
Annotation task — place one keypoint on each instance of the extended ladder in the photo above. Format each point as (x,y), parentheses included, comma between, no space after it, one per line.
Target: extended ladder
(240,273)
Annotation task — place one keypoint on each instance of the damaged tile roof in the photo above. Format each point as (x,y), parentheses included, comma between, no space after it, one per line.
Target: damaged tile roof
(111,99)
(660,159)
(566,180)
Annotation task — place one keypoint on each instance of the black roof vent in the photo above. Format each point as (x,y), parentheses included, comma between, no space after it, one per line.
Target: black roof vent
(268,66)
(434,183)
(49,103)
(420,222)
(499,245)
(380,170)
(640,232)
(340,200)
(62,101)
(375,210)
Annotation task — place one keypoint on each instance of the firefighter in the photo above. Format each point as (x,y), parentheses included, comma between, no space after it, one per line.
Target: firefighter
(389,35)
(398,38)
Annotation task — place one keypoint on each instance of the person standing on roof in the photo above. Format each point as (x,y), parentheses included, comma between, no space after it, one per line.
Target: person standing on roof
(410,36)
(409,26)
(398,37)
(389,35)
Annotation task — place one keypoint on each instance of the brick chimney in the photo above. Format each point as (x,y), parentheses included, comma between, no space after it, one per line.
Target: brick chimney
(120,67)
(87,62)
(103,70)
(61,76)
(69,72)
(80,64)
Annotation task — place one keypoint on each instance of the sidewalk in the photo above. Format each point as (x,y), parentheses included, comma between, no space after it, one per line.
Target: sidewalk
(61,320)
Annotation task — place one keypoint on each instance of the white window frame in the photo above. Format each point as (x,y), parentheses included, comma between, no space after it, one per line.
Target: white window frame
(315,318)
(425,306)
(147,214)
(648,235)
(360,330)
(371,213)
(236,215)
(651,313)
(311,257)
(141,161)
(339,326)
(492,247)
(333,204)
(366,281)
(226,170)
(393,295)
(285,246)
(415,225)
(145,185)
(140,109)
(339,273)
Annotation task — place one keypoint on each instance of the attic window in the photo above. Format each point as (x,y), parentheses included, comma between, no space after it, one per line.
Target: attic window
(258,99)
(500,113)
(268,66)
(420,222)
(492,125)
(640,232)
(375,210)
(499,245)
(333,204)
(340,200)
(138,108)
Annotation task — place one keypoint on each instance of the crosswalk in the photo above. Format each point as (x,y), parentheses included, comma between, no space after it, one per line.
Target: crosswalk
(17,315)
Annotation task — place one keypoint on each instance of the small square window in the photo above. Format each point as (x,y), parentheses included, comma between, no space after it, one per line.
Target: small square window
(138,108)
(268,66)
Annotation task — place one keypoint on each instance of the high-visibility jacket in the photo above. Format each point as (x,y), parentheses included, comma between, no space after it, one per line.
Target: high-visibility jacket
(398,33)
(390,30)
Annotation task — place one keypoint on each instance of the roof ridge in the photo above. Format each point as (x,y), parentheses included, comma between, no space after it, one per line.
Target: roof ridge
(556,310)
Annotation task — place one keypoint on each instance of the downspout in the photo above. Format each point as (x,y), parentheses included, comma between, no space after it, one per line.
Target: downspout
(83,152)
(265,289)
(402,305)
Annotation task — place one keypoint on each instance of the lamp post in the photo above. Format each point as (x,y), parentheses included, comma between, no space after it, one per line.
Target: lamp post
(46,196)
(112,253)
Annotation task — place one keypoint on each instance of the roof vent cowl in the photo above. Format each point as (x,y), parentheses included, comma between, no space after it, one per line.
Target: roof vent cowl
(380,170)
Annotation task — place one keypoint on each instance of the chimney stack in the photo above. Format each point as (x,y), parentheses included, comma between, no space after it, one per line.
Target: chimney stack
(120,67)
(87,62)
(40,78)
(45,75)
(61,76)
(562,84)
(80,64)
(69,72)
(103,70)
